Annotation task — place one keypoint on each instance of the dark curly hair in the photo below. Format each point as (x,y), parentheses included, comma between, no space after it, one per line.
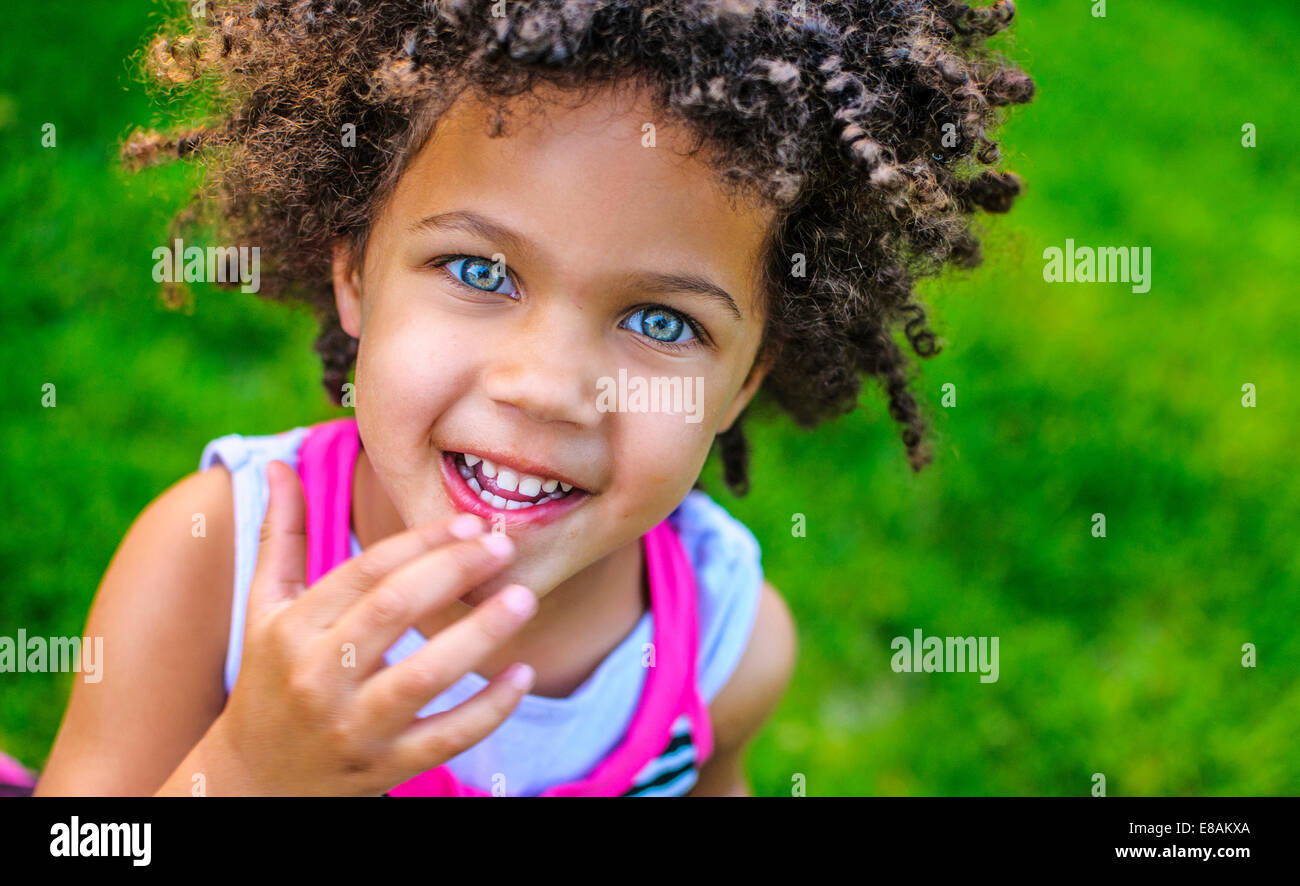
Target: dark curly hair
(865,123)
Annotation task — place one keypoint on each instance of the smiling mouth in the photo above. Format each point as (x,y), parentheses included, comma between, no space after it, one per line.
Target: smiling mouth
(508,489)
(480,485)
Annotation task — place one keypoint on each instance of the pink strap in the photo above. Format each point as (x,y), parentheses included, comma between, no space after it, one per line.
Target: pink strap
(326,461)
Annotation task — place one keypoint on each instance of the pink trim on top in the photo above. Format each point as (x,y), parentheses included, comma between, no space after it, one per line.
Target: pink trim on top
(326,462)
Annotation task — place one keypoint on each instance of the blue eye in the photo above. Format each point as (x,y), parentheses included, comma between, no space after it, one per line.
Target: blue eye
(661,324)
(481,274)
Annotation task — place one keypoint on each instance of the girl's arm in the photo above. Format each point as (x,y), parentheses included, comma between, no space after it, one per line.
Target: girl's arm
(750,696)
(163,611)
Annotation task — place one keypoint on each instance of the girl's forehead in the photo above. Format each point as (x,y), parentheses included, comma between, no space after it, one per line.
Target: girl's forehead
(613,145)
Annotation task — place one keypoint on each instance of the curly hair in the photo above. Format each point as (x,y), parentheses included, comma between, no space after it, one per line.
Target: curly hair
(864,123)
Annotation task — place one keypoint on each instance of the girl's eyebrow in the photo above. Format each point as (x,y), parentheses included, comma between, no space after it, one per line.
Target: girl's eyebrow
(659,282)
(649,281)
(476,225)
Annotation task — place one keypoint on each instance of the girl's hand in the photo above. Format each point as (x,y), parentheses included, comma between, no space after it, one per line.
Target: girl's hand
(314,710)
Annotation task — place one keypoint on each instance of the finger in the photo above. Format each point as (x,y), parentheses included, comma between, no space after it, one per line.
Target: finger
(343,586)
(427,583)
(392,697)
(433,740)
(281,572)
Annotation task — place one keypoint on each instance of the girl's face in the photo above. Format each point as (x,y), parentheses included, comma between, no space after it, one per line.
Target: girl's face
(509,283)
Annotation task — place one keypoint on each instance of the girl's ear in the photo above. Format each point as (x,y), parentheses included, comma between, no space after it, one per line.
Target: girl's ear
(347,289)
(747,391)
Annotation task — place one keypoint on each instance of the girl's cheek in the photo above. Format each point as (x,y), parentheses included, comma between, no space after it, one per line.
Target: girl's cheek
(414,363)
(660,455)
(392,407)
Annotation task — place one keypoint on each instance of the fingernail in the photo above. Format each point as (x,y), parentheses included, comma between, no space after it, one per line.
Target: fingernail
(520,676)
(519,600)
(466,526)
(499,544)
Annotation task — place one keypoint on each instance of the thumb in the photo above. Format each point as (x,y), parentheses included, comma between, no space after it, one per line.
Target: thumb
(281,573)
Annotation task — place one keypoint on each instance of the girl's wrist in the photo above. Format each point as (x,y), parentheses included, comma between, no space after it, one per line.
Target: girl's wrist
(211,768)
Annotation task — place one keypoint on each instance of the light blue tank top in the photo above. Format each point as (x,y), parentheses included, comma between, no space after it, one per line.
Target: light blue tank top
(545,740)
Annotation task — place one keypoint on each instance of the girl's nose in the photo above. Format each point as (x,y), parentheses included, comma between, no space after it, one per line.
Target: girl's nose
(549,377)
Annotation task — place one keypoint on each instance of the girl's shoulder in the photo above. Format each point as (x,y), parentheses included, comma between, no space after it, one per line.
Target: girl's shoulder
(710,533)
(253,451)
(245,457)
(727,562)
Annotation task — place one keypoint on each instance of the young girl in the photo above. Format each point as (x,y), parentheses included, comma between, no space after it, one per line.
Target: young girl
(496,579)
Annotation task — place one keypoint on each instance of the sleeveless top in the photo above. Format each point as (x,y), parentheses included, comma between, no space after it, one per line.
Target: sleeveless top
(630,729)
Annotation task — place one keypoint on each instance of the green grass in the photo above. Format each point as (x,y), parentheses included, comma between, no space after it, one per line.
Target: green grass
(1119,655)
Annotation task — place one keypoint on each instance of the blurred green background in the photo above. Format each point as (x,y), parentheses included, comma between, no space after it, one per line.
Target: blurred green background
(1120,655)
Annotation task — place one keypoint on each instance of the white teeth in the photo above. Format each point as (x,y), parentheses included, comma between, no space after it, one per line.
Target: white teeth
(498,502)
(512,505)
(486,496)
(510,481)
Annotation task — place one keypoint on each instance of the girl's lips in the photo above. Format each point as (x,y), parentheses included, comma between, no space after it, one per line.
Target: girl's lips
(466,499)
